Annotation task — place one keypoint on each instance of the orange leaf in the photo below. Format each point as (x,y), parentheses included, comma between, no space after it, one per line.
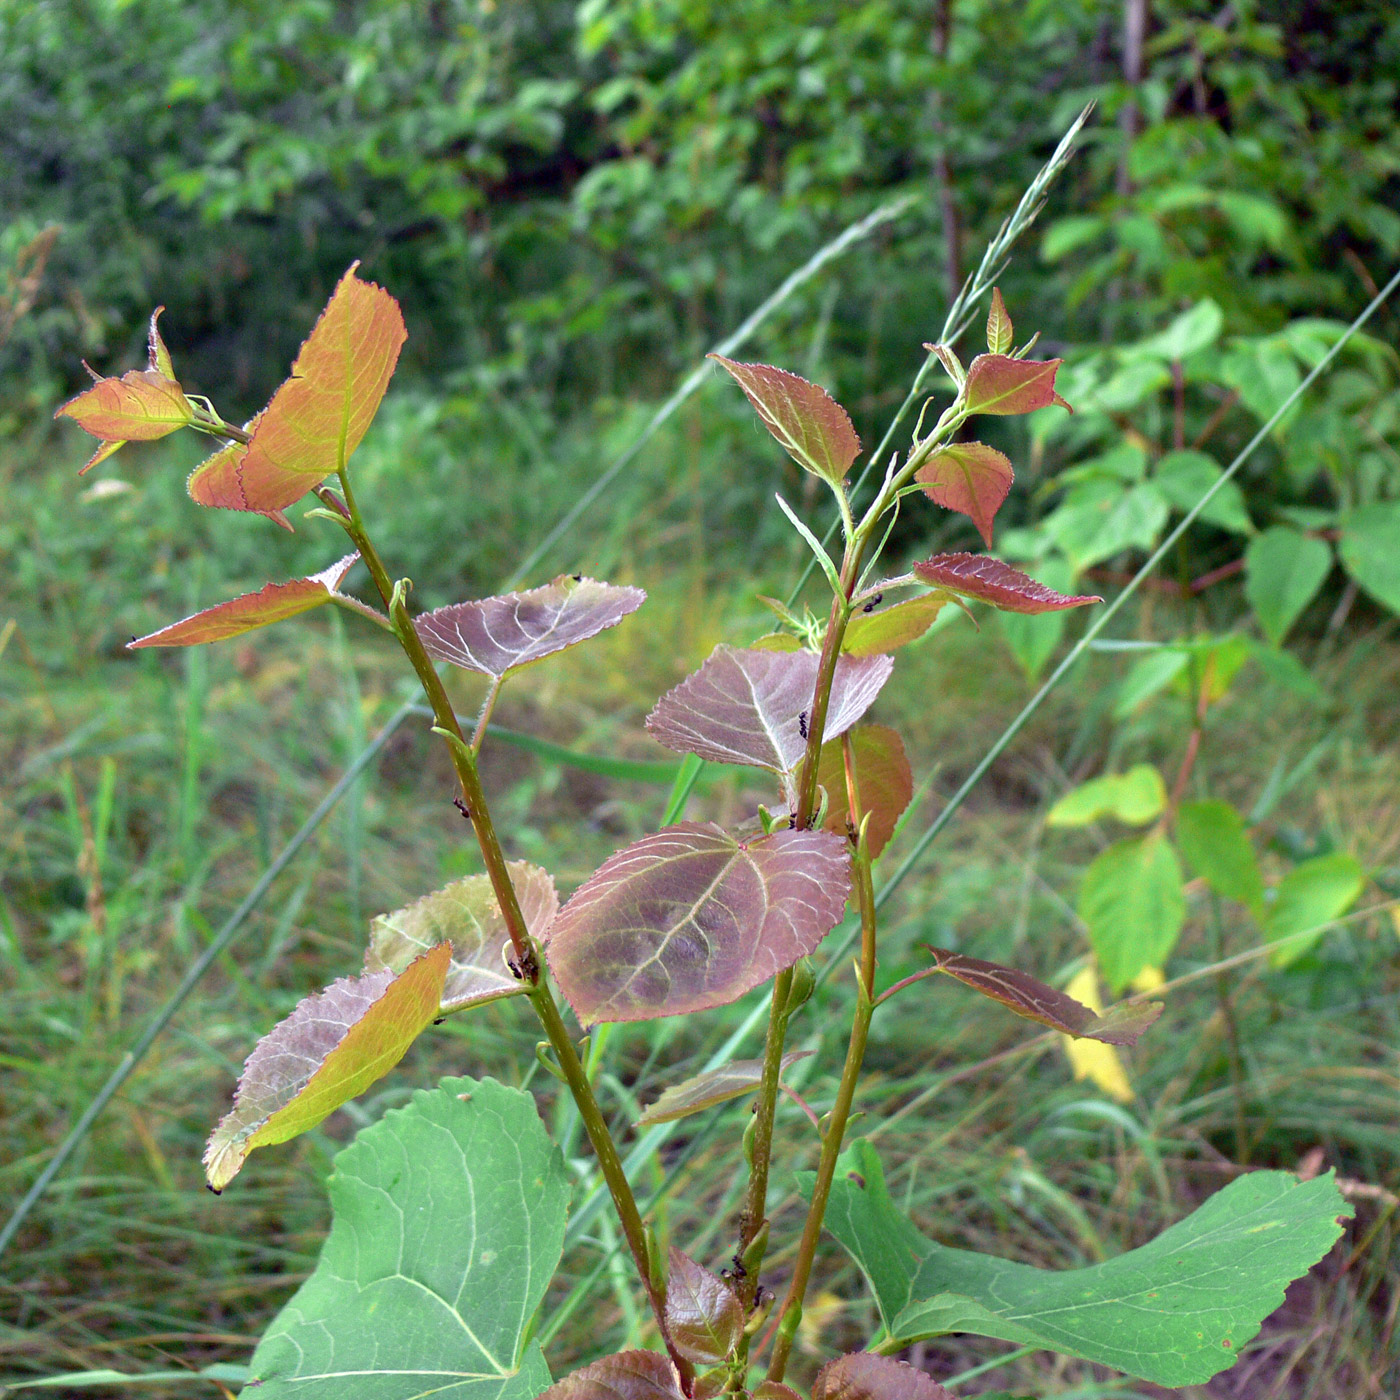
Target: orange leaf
(970,478)
(1000,384)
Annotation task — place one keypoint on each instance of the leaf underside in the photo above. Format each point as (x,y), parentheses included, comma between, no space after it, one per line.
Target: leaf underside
(627,1375)
(495,635)
(448,1225)
(716,1086)
(690,918)
(703,1314)
(864,1376)
(991,581)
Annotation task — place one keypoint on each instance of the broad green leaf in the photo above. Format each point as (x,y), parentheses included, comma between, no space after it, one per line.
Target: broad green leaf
(466,915)
(990,581)
(864,1376)
(690,918)
(316,420)
(703,1314)
(1283,569)
(1216,845)
(1147,677)
(274,603)
(874,633)
(813,428)
(331,1048)
(882,778)
(448,1224)
(716,1086)
(496,635)
(970,478)
(1176,1311)
(1370,550)
(627,1375)
(1264,373)
(999,384)
(1193,330)
(1000,334)
(1032,999)
(1184,477)
(1309,898)
(1286,670)
(1133,904)
(1136,797)
(1033,639)
(754,707)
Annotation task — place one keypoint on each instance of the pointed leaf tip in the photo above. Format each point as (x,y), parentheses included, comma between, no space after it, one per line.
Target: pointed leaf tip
(812,427)
(702,1312)
(715,1086)
(999,331)
(628,1375)
(990,581)
(970,478)
(999,384)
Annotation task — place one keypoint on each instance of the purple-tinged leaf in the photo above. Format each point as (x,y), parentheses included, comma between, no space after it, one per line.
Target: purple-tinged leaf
(703,1314)
(882,778)
(970,478)
(331,1048)
(990,581)
(872,633)
(774,1390)
(217,482)
(999,384)
(274,603)
(1023,994)
(465,913)
(627,1375)
(495,635)
(814,429)
(862,1375)
(999,331)
(690,918)
(751,707)
(702,1091)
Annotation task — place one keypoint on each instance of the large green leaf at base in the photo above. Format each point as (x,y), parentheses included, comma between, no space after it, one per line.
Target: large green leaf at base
(1176,1311)
(448,1225)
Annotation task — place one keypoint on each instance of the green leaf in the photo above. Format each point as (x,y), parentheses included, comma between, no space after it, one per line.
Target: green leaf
(1193,330)
(1370,550)
(1309,897)
(1132,902)
(1184,477)
(1136,797)
(448,1224)
(1000,335)
(1147,676)
(715,1086)
(875,633)
(1217,847)
(1283,570)
(1176,1311)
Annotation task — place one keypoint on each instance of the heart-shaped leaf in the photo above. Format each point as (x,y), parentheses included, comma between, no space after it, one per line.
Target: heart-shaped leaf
(690,918)
(814,429)
(1133,904)
(1283,570)
(970,478)
(495,635)
(1216,845)
(702,1091)
(864,1376)
(703,1314)
(990,581)
(752,707)
(872,633)
(1028,997)
(999,384)
(1176,1311)
(1309,897)
(274,603)
(331,1048)
(628,1375)
(465,914)
(316,420)
(448,1225)
(883,780)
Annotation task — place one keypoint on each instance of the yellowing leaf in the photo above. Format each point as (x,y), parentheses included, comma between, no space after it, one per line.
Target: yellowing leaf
(1091,1059)
(999,331)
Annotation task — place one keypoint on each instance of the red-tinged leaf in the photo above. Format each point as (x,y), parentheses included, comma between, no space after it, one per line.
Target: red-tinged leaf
(465,913)
(774,1390)
(999,384)
(999,332)
(495,635)
(990,581)
(103,452)
(690,918)
(702,1091)
(865,1376)
(331,1048)
(157,354)
(1023,994)
(139,407)
(970,478)
(274,603)
(751,707)
(882,777)
(814,429)
(217,481)
(316,419)
(703,1315)
(872,633)
(628,1375)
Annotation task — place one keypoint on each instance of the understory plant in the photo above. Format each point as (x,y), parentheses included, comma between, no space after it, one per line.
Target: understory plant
(450,1212)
